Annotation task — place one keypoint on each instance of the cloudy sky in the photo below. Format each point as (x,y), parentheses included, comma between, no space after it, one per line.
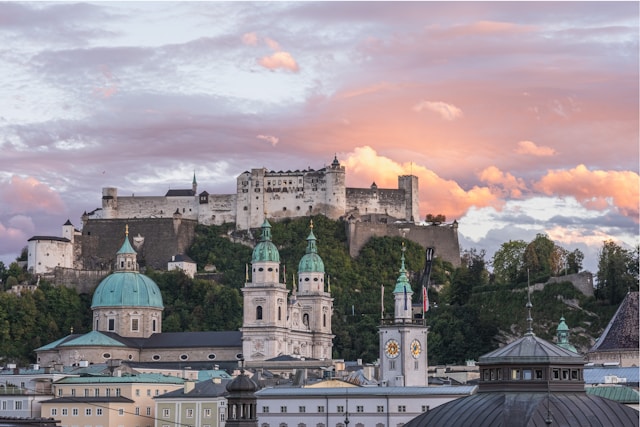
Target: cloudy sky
(518,118)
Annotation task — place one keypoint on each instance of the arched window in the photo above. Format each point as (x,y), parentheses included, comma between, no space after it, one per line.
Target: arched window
(305,319)
(259,312)
(324,320)
(279,313)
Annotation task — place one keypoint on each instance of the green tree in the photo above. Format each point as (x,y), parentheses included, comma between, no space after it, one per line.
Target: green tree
(539,255)
(508,262)
(574,261)
(617,272)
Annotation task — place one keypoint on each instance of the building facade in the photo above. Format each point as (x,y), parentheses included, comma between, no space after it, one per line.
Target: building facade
(276,323)
(403,340)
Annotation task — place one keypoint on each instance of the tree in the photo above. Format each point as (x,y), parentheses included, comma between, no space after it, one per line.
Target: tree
(574,261)
(508,261)
(539,256)
(617,272)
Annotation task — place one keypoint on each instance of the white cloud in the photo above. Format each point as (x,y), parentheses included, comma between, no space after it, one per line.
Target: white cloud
(446,111)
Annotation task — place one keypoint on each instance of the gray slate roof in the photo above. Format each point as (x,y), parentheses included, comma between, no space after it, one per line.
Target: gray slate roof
(200,390)
(622,331)
(528,410)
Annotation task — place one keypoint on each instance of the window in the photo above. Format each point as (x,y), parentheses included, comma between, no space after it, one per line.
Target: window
(65,411)
(259,312)
(157,393)
(556,374)
(392,365)
(425,408)
(207,412)
(527,374)
(121,412)
(148,410)
(380,408)
(279,313)
(302,409)
(320,408)
(86,392)
(73,392)
(189,413)
(96,392)
(324,320)
(75,412)
(283,409)
(340,408)
(148,392)
(98,411)
(54,412)
(112,324)
(87,411)
(538,374)
(118,392)
(265,409)
(137,411)
(153,325)
(402,408)
(137,392)
(359,408)
(416,365)
(18,405)
(515,374)
(135,324)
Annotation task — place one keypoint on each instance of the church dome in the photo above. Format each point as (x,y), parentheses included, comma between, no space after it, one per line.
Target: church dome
(311,261)
(265,250)
(127,289)
(242,384)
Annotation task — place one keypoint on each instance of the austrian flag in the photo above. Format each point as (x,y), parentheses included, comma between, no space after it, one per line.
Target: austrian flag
(425,300)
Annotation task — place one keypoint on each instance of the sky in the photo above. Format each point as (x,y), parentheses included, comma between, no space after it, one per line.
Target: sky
(518,118)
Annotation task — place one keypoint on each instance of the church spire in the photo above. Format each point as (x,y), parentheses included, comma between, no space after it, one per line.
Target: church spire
(194,183)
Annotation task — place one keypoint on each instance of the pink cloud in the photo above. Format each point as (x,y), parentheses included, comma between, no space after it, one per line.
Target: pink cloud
(250,39)
(280,60)
(446,111)
(269,138)
(28,194)
(529,147)
(495,177)
(597,189)
(437,195)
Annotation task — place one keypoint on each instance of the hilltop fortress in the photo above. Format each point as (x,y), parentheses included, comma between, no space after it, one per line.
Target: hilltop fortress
(280,195)
(164,226)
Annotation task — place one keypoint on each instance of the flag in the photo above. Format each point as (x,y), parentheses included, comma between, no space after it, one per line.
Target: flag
(405,299)
(425,300)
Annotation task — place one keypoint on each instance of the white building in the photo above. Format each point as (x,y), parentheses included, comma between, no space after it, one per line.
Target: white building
(184,263)
(361,406)
(45,253)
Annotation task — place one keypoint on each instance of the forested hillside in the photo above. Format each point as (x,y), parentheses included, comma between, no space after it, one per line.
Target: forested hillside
(471,313)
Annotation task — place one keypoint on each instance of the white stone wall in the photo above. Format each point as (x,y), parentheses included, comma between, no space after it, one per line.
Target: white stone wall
(45,255)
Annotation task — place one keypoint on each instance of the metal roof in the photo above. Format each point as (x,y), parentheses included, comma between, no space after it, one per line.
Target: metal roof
(194,339)
(531,349)
(621,394)
(127,289)
(124,379)
(528,410)
(200,390)
(597,375)
(367,391)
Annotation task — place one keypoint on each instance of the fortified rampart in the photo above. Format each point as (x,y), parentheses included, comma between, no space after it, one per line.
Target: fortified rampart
(444,238)
(155,240)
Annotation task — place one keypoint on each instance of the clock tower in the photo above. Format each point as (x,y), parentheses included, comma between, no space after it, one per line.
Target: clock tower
(403,340)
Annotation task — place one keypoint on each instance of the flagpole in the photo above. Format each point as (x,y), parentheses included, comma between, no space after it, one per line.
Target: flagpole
(381,302)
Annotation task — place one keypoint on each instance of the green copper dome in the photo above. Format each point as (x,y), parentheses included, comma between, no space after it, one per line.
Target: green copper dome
(311,261)
(403,281)
(265,250)
(127,289)
(562,326)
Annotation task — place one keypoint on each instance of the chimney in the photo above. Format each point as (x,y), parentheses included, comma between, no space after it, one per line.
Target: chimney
(189,386)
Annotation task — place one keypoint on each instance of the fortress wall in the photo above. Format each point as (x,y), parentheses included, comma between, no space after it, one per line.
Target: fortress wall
(83,282)
(443,238)
(380,201)
(582,281)
(156,207)
(155,240)
(219,210)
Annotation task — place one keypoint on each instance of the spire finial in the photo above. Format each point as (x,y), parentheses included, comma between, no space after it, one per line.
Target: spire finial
(126,229)
(311,224)
(529,306)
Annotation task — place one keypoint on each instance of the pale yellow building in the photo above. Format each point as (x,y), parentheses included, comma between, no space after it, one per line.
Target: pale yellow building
(118,400)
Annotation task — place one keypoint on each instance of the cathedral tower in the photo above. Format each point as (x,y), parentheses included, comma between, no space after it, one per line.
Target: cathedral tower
(264,324)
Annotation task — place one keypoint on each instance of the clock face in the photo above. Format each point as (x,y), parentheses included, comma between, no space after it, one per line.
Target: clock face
(415,348)
(392,349)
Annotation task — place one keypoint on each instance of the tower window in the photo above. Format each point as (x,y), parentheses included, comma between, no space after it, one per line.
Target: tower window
(112,324)
(259,312)
(279,313)
(305,319)
(135,324)
(324,320)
